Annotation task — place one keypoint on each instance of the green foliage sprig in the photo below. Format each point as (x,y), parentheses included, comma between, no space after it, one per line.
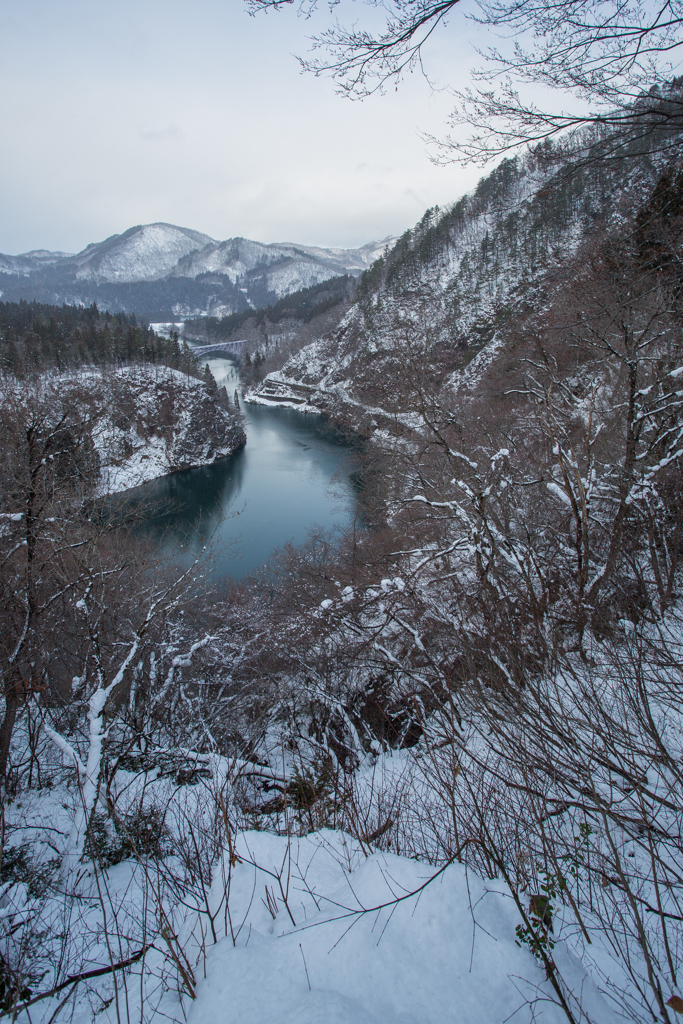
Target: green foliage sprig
(537,935)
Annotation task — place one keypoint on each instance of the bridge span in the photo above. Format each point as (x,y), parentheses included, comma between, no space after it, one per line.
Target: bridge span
(228,348)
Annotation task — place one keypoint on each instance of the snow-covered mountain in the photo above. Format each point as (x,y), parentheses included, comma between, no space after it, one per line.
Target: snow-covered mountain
(145,253)
(29,262)
(161,267)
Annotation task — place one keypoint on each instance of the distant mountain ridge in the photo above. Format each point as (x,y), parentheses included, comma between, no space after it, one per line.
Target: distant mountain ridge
(152,268)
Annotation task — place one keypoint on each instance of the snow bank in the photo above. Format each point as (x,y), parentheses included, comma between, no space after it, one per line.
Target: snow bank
(323,935)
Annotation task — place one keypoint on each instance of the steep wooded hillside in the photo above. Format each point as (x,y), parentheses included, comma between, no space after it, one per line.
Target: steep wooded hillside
(450,285)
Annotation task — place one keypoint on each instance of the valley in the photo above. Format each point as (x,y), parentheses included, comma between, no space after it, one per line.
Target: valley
(294,476)
(404,744)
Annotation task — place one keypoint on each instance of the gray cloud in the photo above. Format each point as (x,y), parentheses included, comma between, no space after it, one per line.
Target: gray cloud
(197,114)
(171,132)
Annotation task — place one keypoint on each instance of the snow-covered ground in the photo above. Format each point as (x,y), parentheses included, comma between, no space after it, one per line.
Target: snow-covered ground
(306,930)
(310,929)
(279,924)
(351,945)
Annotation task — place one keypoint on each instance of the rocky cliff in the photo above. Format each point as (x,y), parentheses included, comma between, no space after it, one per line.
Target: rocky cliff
(157,420)
(118,428)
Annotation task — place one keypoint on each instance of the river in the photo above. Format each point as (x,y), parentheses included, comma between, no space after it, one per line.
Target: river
(293,474)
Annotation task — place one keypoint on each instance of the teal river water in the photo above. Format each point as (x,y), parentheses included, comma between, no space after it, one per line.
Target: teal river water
(293,474)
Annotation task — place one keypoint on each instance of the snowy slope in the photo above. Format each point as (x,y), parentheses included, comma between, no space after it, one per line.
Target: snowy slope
(352,259)
(143,253)
(311,930)
(448,954)
(30,262)
(237,257)
(450,282)
(19,265)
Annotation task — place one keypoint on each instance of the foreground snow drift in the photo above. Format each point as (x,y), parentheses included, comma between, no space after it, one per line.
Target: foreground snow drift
(293,930)
(304,951)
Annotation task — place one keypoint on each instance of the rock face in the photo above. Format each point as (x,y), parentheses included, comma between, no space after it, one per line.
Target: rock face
(160,267)
(155,421)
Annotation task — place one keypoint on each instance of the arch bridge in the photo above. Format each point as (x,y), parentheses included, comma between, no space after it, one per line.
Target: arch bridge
(227,348)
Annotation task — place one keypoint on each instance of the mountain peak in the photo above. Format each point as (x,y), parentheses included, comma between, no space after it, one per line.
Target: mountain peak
(157,267)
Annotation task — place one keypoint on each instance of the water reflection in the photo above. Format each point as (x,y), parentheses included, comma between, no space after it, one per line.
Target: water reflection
(293,474)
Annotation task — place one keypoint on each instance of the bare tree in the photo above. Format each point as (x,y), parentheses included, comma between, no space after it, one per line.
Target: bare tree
(617,62)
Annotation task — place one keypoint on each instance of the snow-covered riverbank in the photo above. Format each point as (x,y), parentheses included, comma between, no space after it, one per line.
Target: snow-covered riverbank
(118,427)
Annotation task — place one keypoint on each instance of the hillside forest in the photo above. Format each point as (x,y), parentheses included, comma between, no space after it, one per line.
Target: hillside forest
(41,337)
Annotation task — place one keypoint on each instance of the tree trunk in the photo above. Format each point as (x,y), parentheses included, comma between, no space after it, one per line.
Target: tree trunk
(6,730)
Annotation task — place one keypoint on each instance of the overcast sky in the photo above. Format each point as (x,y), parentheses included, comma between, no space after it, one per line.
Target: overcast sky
(197,114)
